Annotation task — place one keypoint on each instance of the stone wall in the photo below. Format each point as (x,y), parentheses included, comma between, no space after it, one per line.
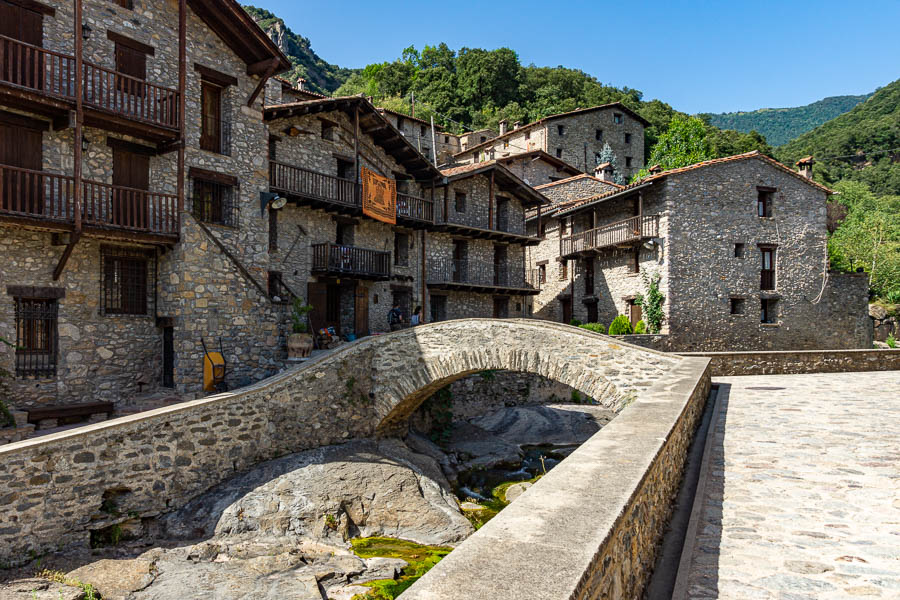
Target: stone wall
(725,364)
(594,527)
(580,130)
(573,188)
(53,486)
(534,170)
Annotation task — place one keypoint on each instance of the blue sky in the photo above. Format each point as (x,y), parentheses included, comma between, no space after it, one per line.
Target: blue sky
(697,56)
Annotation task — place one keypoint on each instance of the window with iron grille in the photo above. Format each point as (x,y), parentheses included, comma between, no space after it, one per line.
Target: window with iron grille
(125,273)
(36,337)
(215,203)
(460,202)
(563,270)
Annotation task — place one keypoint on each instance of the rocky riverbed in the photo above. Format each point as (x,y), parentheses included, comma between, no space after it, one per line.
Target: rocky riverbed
(283,529)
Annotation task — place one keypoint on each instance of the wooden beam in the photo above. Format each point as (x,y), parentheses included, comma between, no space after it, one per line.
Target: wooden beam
(79,119)
(258,68)
(356,143)
(61,265)
(491,202)
(182,88)
(273,64)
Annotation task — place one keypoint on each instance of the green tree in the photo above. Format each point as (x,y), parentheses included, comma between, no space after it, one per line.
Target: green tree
(684,143)
(608,156)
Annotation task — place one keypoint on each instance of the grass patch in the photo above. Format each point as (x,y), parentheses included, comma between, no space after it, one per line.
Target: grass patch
(494,505)
(420,558)
(60,577)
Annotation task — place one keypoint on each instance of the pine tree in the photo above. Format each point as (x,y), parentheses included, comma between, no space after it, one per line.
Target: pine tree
(608,156)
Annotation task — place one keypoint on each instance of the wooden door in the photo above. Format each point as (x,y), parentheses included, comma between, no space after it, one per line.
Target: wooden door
(566,310)
(501,308)
(133,64)
(635,313)
(129,206)
(317,297)
(211,115)
(21,65)
(21,191)
(361,310)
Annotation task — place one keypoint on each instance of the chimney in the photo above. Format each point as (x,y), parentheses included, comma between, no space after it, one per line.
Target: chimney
(604,172)
(300,82)
(805,166)
(504,125)
(655,169)
(517,124)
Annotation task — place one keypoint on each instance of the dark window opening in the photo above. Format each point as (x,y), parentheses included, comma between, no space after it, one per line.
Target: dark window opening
(527,135)
(598,135)
(346,169)
(404,299)
(401,249)
(501,308)
(561,129)
(501,223)
(400,124)
(559,153)
(589,278)
(768,310)
(124,4)
(460,261)
(737,306)
(344,234)
(767,270)
(36,337)
(739,250)
(543,232)
(273,148)
(628,162)
(459,200)
(501,265)
(635,265)
(483,139)
(215,203)
(426,151)
(617,118)
(563,270)
(278,291)
(215,133)
(125,274)
(542,274)
(446,139)
(438,308)
(329,131)
(627,138)
(764,202)
(273,230)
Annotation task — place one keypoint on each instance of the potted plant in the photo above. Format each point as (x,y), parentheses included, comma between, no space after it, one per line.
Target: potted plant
(300,342)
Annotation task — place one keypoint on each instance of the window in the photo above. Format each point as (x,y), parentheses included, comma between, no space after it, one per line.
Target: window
(401,249)
(404,299)
(483,139)
(617,118)
(426,151)
(214,202)
(543,233)
(589,278)
(278,292)
(343,235)
(737,306)
(739,250)
(446,139)
(459,201)
(559,153)
(542,274)
(501,222)
(438,308)
(764,199)
(345,169)
(768,310)
(598,135)
(767,271)
(124,283)
(561,129)
(627,138)
(527,135)
(422,131)
(36,337)
(400,124)
(273,147)
(273,231)
(133,63)
(627,162)
(635,262)
(215,136)
(563,270)
(124,4)
(329,130)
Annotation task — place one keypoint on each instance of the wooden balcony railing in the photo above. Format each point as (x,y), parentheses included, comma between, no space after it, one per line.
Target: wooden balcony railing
(622,232)
(767,279)
(53,73)
(350,260)
(476,273)
(50,197)
(415,208)
(533,278)
(313,185)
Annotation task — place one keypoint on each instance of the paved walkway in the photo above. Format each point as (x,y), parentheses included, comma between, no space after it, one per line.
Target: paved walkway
(802,498)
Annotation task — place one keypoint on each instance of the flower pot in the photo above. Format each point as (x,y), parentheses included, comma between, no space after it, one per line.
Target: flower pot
(299,345)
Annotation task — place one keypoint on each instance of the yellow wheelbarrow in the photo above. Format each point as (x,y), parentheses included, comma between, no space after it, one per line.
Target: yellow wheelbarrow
(214,369)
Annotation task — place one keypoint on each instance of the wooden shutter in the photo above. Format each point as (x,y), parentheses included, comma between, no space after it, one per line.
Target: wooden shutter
(361,310)
(211,115)
(20,191)
(129,206)
(20,65)
(317,297)
(133,63)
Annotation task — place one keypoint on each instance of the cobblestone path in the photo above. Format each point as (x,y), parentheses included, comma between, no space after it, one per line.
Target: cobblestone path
(802,499)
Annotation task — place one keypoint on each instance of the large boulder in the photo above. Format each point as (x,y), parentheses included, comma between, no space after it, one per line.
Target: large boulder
(35,588)
(551,424)
(362,488)
(115,579)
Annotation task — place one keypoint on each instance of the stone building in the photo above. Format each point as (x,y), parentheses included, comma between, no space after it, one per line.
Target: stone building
(537,168)
(576,137)
(129,197)
(419,133)
(738,244)
(476,255)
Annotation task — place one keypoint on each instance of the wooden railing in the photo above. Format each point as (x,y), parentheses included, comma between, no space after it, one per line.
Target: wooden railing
(622,232)
(53,73)
(476,272)
(350,260)
(51,197)
(310,184)
(415,208)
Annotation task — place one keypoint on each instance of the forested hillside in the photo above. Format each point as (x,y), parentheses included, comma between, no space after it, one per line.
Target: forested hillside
(781,125)
(861,145)
(320,76)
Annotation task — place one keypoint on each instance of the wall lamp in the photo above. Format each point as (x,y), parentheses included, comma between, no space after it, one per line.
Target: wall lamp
(85,32)
(271,200)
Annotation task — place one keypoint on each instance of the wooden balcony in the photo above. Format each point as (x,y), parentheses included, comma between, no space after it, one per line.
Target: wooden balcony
(478,276)
(335,194)
(622,233)
(47,201)
(350,261)
(43,81)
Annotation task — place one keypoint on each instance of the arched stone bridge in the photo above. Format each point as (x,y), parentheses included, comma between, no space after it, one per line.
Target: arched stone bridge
(167,456)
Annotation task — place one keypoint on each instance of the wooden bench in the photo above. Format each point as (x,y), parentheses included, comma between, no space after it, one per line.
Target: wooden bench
(68,412)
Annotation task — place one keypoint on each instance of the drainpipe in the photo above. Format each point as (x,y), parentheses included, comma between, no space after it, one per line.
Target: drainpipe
(424,290)
(182,84)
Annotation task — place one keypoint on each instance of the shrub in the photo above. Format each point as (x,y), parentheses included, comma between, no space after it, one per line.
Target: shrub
(620,326)
(891,342)
(595,327)
(640,327)
(651,303)
(575,323)
(299,310)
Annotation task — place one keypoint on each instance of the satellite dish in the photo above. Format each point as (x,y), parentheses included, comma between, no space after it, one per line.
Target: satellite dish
(649,244)
(278,202)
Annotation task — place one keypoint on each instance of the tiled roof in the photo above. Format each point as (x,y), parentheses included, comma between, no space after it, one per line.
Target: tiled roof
(575,204)
(453,171)
(406,116)
(617,105)
(575,178)
(559,163)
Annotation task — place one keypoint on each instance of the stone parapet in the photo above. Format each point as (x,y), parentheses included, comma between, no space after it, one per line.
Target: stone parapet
(799,361)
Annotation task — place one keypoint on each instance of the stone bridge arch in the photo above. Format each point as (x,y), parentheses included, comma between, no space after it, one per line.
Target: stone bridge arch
(410,365)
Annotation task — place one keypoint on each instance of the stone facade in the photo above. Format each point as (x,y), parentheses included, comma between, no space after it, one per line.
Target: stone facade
(705,247)
(573,188)
(158,460)
(538,168)
(726,364)
(420,135)
(576,137)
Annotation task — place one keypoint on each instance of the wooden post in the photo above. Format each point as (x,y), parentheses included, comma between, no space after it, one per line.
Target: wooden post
(539,221)
(424,289)
(356,142)
(446,203)
(182,84)
(491,203)
(79,115)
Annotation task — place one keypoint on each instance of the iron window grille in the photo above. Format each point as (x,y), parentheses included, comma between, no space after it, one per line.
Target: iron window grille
(37,340)
(125,273)
(215,203)
(216,135)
